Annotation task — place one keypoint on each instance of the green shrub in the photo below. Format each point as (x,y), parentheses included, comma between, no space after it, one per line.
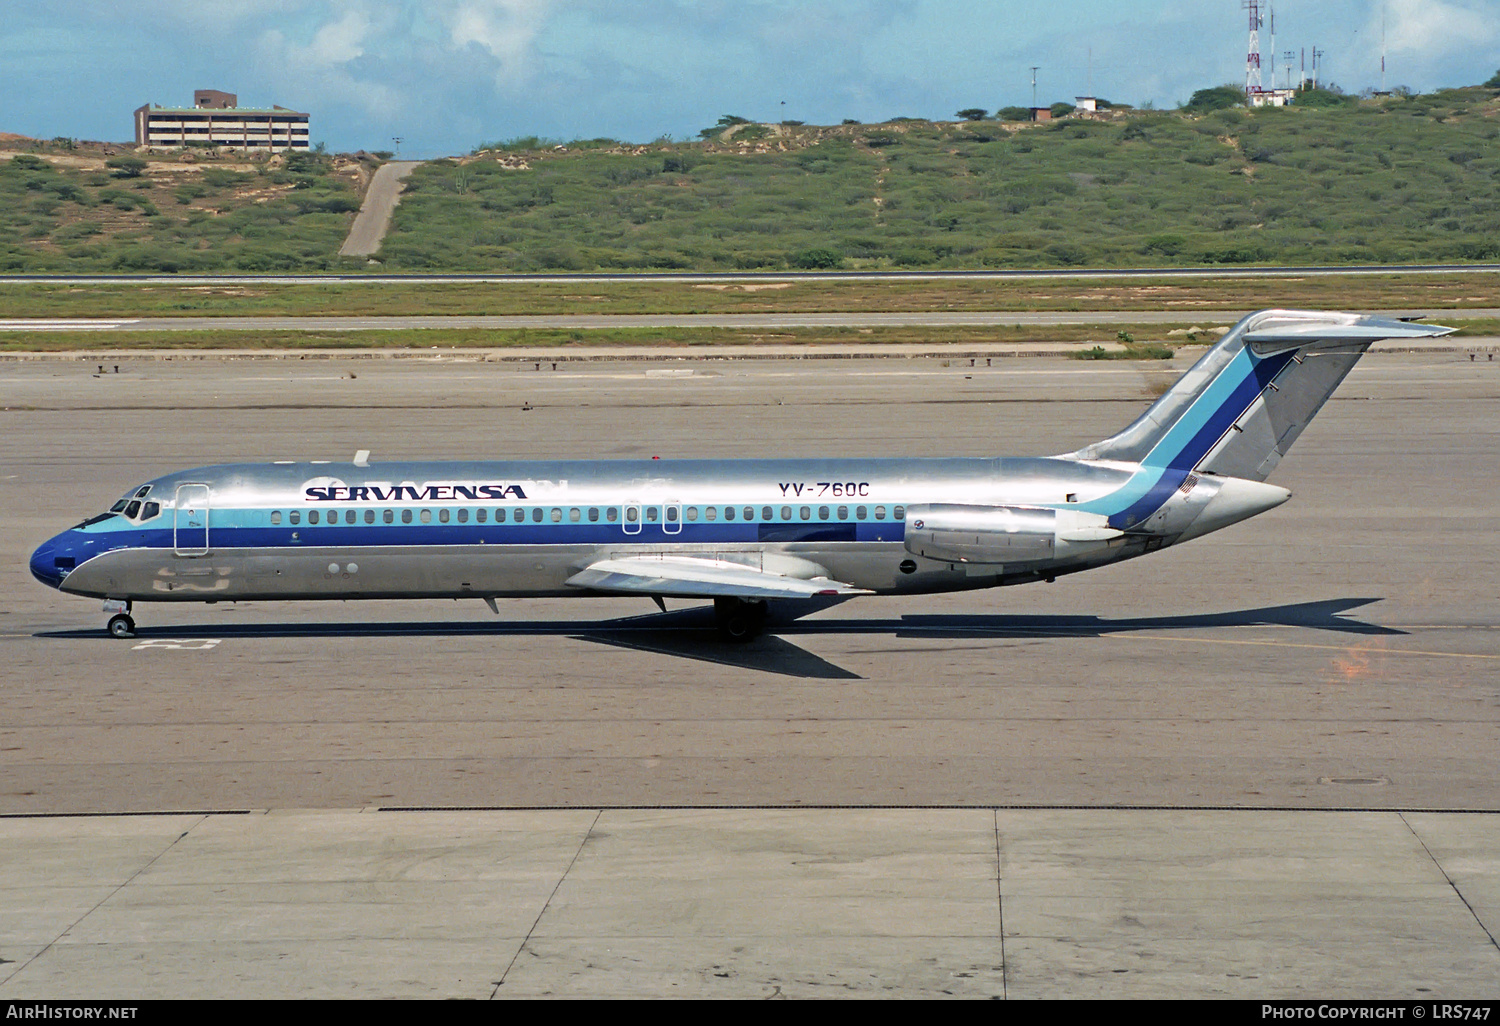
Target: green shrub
(126,166)
(1215,98)
(816,259)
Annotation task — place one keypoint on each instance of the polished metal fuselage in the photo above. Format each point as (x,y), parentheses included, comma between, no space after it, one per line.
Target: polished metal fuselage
(831,504)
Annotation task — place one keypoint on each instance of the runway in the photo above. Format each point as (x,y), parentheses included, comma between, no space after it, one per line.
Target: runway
(1206,318)
(1327,670)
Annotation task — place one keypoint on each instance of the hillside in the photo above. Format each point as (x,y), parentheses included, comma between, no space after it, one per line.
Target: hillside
(1403,179)
(94,207)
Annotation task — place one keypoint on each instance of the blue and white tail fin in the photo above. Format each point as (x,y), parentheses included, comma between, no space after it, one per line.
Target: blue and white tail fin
(1240,407)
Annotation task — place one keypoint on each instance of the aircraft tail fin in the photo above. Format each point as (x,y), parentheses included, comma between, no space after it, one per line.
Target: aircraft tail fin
(1238,410)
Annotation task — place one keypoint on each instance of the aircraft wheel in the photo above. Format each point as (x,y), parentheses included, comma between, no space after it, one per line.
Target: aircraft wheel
(121,626)
(740,621)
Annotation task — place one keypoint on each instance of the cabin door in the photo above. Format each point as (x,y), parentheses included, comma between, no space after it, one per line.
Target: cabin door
(190,520)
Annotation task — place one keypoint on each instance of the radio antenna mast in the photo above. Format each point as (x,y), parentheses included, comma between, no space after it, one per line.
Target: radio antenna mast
(1253,83)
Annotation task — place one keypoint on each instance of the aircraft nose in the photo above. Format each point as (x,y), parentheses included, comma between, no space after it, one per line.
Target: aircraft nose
(44,564)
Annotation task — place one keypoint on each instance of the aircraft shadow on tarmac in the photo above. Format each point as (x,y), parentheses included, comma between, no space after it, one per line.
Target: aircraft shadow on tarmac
(689,633)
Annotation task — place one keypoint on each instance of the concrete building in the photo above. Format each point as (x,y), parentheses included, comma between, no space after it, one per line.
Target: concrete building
(1271,97)
(217,120)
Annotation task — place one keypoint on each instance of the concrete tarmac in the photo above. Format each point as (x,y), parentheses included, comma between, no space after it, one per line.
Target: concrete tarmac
(1339,654)
(967,903)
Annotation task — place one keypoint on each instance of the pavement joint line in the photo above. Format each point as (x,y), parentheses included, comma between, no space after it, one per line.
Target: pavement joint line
(1451,883)
(546,904)
(1000,907)
(1069,807)
(202,818)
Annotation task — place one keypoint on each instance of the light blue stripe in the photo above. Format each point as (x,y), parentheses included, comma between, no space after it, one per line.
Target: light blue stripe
(1219,391)
(1181,434)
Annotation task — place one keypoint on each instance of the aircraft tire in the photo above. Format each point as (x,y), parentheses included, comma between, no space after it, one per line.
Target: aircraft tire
(739,621)
(121,626)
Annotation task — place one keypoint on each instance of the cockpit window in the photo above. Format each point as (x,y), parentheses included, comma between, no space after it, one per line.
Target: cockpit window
(119,507)
(150,510)
(132,509)
(141,492)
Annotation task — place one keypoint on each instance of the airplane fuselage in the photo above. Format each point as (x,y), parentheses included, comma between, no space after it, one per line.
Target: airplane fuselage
(511,529)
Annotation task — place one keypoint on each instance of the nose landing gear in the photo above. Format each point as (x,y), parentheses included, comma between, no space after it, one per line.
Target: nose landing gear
(122,624)
(739,621)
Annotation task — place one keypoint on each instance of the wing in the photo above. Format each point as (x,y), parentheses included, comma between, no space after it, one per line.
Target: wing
(686,577)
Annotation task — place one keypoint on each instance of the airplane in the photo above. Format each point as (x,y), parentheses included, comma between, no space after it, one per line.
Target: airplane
(742,533)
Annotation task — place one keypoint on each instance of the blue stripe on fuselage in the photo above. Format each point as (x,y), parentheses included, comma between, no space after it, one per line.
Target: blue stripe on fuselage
(351,536)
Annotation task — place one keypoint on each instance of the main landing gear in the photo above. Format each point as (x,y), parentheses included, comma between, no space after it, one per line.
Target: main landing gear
(122,624)
(738,620)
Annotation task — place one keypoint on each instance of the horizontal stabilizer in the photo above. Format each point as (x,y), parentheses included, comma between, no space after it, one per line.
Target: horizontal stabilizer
(1337,330)
(689,577)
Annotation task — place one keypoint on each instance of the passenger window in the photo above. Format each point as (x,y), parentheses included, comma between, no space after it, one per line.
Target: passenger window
(275,517)
(711,513)
(150,510)
(463,516)
(691,514)
(479,516)
(843,512)
(556,515)
(728,512)
(652,514)
(349,516)
(369,516)
(442,516)
(388,516)
(611,514)
(405,516)
(536,515)
(859,512)
(312,516)
(672,514)
(749,512)
(767,513)
(426,516)
(822,512)
(879,512)
(575,515)
(806,512)
(899,513)
(632,514)
(593,514)
(295,517)
(786,512)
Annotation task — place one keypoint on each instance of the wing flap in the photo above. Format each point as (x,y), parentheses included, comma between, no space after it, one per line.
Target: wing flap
(701,578)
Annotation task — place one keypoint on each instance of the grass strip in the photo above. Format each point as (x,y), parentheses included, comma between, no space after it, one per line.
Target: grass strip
(786,295)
